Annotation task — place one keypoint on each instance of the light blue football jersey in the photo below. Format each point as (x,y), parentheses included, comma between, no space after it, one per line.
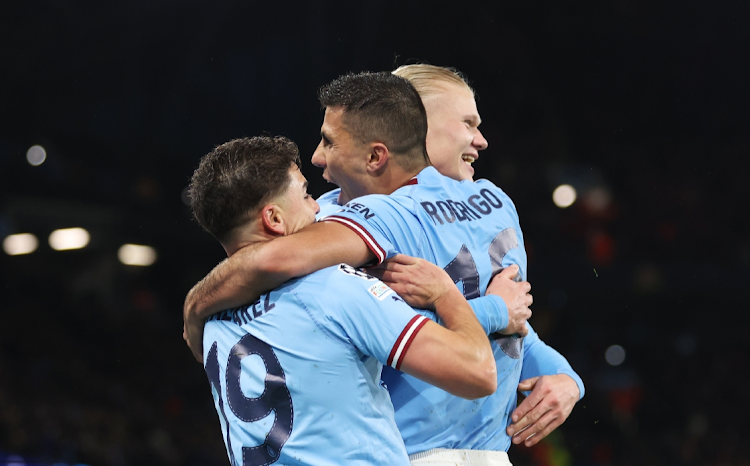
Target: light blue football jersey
(296,376)
(471,229)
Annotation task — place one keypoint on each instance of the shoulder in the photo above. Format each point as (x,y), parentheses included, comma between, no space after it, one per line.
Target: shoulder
(335,281)
(331,197)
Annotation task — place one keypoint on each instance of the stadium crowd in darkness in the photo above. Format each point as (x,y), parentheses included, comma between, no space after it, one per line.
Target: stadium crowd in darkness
(641,106)
(93,368)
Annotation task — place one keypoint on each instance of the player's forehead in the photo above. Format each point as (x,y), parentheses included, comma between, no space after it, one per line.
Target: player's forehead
(454,98)
(333,121)
(296,178)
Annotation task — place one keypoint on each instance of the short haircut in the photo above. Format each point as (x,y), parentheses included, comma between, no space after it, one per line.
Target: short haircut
(235,179)
(426,78)
(382,107)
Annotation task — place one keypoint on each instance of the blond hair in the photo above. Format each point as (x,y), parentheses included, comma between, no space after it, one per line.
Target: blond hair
(426,78)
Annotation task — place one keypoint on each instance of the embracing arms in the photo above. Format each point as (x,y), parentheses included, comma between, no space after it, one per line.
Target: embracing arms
(456,357)
(258,268)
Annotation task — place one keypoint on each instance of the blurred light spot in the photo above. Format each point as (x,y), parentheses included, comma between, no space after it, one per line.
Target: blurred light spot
(597,199)
(14,460)
(648,278)
(22,243)
(36,155)
(564,196)
(69,238)
(698,425)
(135,254)
(685,345)
(601,248)
(615,355)
(186,196)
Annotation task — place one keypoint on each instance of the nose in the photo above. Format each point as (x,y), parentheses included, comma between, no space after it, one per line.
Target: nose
(317,206)
(317,158)
(479,141)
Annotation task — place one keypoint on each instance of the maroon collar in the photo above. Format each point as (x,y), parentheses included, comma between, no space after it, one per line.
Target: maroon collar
(411,181)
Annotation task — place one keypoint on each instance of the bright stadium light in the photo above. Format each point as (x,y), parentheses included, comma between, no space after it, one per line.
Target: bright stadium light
(69,238)
(36,155)
(22,243)
(136,254)
(615,355)
(564,196)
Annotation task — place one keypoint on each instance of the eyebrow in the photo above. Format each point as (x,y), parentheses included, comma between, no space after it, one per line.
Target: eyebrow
(474,119)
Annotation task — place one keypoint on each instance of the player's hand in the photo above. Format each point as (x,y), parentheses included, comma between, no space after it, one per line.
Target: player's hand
(192,330)
(548,405)
(517,298)
(418,282)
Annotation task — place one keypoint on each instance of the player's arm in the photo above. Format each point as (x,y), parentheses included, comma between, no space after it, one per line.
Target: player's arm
(458,357)
(504,309)
(555,388)
(255,269)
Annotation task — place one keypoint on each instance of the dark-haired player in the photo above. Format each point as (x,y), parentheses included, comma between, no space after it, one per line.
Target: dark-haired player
(296,375)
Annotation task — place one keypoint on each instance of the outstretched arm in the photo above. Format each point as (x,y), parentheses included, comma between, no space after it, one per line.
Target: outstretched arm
(458,357)
(257,268)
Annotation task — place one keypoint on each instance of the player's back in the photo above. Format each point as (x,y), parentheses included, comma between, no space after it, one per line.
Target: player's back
(294,381)
(470,229)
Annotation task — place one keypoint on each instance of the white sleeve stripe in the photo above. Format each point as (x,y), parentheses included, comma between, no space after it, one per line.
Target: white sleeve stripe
(364,234)
(403,343)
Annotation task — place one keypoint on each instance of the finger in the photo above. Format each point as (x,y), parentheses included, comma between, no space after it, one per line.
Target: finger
(529,403)
(529,300)
(375,272)
(528,384)
(523,330)
(539,430)
(525,286)
(389,276)
(509,272)
(403,259)
(525,423)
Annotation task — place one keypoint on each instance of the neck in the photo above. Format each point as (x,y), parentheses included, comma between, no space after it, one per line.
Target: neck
(248,235)
(384,182)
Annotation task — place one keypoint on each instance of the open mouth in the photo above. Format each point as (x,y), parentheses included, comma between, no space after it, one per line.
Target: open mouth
(468,158)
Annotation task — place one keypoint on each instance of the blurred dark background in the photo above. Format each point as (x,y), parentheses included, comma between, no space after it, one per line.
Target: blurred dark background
(643,107)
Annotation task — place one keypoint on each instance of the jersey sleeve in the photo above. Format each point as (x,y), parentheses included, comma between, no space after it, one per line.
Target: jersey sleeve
(364,311)
(491,312)
(541,359)
(384,225)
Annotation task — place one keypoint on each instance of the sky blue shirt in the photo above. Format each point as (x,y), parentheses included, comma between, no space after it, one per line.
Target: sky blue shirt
(471,229)
(296,376)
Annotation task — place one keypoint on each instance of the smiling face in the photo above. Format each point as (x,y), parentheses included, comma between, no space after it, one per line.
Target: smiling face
(453,136)
(341,156)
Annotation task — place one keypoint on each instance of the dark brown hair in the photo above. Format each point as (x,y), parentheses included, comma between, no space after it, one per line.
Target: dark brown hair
(237,178)
(382,107)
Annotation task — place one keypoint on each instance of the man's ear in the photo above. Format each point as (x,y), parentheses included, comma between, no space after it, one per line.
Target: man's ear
(273,221)
(378,158)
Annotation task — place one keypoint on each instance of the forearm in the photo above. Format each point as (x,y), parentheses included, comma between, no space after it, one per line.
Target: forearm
(471,349)
(491,312)
(255,269)
(541,359)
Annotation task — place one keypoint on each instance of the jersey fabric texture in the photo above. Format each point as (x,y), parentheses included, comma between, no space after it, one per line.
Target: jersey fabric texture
(296,376)
(471,229)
